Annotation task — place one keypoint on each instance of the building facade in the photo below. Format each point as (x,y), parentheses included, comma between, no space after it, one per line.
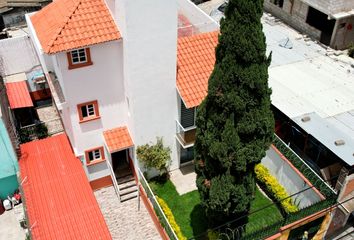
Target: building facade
(328,21)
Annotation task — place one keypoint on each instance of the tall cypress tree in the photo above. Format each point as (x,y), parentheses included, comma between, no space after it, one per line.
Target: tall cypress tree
(234,122)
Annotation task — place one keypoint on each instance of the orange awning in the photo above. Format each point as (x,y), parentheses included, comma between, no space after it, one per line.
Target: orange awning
(18,95)
(118,139)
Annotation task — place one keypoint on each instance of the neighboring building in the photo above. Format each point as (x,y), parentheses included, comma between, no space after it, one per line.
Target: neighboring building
(331,22)
(12,12)
(8,159)
(27,90)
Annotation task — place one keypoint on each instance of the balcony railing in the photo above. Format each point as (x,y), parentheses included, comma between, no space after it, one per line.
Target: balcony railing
(185,136)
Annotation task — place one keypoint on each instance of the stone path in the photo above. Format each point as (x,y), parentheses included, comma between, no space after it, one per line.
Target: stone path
(124,220)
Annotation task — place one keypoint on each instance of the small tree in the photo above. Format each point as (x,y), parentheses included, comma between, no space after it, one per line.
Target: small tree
(154,156)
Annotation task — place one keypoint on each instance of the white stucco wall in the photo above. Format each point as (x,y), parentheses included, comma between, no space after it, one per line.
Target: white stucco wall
(149,31)
(289,179)
(197,17)
(102,81)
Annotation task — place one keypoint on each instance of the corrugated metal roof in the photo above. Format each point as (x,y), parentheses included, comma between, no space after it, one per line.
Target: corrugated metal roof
(59,200)
(327,134)
(18,95)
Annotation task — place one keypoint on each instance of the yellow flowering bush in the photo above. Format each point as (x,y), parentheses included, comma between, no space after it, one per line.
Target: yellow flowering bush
(273,187)
(171,218)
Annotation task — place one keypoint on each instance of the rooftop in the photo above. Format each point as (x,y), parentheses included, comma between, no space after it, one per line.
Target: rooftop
(18,95)
(195,62)
(68,24)
(59,200)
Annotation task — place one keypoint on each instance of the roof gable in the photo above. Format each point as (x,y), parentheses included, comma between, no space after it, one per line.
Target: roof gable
(68,24)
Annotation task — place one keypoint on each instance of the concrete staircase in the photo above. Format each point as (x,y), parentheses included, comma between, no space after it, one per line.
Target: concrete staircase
(127,187)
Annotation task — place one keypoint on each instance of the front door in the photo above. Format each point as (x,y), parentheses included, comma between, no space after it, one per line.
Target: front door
(120,163)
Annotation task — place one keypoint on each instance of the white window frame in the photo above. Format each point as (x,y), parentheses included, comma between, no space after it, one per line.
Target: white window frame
(77,59)
(90,110)
(96,154)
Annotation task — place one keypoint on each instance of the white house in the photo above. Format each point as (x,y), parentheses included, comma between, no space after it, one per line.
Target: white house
(111,67)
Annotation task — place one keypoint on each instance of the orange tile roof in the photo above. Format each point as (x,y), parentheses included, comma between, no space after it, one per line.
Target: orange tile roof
(59,200)
(118,139)
(18,95)
(195,62)
(67,24)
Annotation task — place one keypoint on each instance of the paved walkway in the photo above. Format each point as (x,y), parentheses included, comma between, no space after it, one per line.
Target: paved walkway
(10,228)
(184,179)
(124,220)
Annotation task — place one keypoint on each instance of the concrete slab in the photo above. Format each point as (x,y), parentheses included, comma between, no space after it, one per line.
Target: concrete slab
(184,179)
(10,228)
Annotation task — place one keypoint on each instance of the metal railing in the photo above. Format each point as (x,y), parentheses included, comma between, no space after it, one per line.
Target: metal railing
(182,135)
(113,176)
(160,214)
(303,167)
(266,226)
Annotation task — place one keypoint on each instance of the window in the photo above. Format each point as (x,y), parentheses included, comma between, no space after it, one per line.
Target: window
(187,116)
(88,111)
(79,58)
(95,155)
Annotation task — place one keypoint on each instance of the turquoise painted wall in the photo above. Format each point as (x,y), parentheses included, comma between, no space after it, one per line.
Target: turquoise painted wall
(8,164)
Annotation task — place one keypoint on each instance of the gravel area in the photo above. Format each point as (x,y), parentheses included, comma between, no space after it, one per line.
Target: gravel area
(50,116)
(125,220)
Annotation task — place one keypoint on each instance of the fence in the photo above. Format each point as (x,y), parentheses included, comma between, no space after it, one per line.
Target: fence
(160,214)
(255,230)
(268,228)
(304,168)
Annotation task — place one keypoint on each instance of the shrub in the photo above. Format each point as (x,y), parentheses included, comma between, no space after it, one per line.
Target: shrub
(154,156)
(273,188)
(171,218)
(213,235)
(41,131)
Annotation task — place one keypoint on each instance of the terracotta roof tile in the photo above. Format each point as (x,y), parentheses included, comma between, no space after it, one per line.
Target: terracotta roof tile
(195,62)
(18,95)
(118,139)
(59,200)
(68,24)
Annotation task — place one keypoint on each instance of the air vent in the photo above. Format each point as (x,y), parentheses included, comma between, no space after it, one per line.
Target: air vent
(339,142)
(306,119)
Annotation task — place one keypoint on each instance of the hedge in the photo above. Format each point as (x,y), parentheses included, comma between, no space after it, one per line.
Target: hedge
(273,187)
(171,218)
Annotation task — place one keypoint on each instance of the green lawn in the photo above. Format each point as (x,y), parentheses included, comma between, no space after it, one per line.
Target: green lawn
(191,218)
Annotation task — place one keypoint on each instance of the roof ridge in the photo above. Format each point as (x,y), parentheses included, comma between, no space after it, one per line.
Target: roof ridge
(51,43)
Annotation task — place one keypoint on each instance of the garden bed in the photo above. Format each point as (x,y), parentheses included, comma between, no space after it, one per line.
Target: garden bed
(191,218)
